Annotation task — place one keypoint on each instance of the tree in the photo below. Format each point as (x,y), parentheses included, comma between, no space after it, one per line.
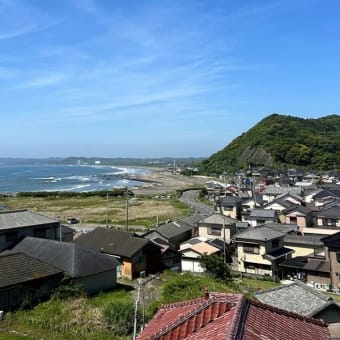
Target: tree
(215,266)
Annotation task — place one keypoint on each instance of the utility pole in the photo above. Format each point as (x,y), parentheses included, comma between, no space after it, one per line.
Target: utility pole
(127,209)
(107,209)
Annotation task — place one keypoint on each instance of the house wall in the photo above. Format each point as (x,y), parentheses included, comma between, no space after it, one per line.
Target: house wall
(319,282)
(99,282)
(322,222)
(230,211)
(126,270)
(205,230)
(334,260)
(191,265)
(301,221)
(252,258)
(10,236)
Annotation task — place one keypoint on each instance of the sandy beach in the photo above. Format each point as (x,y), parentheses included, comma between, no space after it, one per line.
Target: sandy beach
(159,182)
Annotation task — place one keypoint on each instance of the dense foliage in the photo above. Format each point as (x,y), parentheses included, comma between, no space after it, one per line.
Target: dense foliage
(282,141)
(215,266)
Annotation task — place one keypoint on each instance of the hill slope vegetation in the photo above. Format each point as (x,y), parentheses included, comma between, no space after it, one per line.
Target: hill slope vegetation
(282,141)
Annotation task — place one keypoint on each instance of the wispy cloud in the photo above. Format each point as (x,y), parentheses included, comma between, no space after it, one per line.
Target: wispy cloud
(44,80)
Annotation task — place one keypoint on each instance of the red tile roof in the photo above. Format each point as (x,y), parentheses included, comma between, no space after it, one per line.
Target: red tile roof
(230,316)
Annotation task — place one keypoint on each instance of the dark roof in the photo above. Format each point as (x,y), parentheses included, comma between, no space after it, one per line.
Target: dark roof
(284,203)
(297,262)
(174,229)
(18,268)
(111,241)
(282,227)
(327,193)
(230,201)
(218,243)
(312,240)
(298,209)
(230,316)
(317,265)
(73,259)
(332,241)
(193,219)
(277,253)
(333,212)
(23,218)
(296,297)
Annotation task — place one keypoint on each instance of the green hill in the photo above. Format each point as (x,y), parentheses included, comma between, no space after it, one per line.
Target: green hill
(280,141)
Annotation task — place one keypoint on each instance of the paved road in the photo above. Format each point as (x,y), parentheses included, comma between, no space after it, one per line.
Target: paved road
(190,198)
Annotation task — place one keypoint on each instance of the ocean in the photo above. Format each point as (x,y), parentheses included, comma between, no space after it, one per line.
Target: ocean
(77,178)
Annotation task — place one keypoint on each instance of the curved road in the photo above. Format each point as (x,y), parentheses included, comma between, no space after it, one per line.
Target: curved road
(190,198)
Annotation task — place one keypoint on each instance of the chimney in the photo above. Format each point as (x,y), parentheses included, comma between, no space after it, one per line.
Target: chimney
(206,293)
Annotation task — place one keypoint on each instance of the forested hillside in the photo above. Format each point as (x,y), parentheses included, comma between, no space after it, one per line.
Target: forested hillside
(281,141)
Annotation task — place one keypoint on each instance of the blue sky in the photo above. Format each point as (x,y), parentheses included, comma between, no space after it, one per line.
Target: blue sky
(159,78)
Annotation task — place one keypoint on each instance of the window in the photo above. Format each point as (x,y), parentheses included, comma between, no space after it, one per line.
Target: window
(11,236)
(260,221)
(216,231)
(338,257)
(251,248)
(330,222)
(292,220)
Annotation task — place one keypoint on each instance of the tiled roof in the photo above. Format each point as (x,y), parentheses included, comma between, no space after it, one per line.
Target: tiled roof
(230,201)
(262,213)
(174,229)
(23,218)
(317,265)
(332,241)
(73,259)
(259,234)
(18,268)
(217,219)
(111,241)
(296,297)
(230,316)
(333,212)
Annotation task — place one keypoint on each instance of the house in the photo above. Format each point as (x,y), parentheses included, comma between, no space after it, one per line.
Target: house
(230,316)
(136,254)
(170,256)
(305,245)
(332,253)
(93,270)
(301,299)
(299,215)
(230,206)
(278,205)
(174,232)
(314,271)
(329,217)
(14,225)
(271,192)
(191,252)
(217,226)
(262,216)
(25,280)
(260,251)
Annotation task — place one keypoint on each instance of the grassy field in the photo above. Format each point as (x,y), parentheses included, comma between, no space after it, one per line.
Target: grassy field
(141,211)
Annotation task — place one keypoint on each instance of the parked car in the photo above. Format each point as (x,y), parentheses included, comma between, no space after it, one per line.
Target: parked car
(72,220)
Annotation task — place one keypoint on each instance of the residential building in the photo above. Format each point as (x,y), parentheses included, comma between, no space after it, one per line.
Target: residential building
(15,225)
(136,254)
(217,226)
(230,206)
(262,216)
(260,251)
(298,215)
(93,270)
(329,217)
(26,280)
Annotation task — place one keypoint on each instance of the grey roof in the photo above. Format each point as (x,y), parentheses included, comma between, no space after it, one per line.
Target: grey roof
(317,265)
(284,203)
(259,234)
(312,240)
(299,209)
(219,219)
(73,259)
(23,218)
(273,190)
(296,297)
(18,268)
(277,253)
(230,201)
(262,213)
(114,242)
(292,194)
(175,228)
(282,227)
(333,212)
(193,219)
